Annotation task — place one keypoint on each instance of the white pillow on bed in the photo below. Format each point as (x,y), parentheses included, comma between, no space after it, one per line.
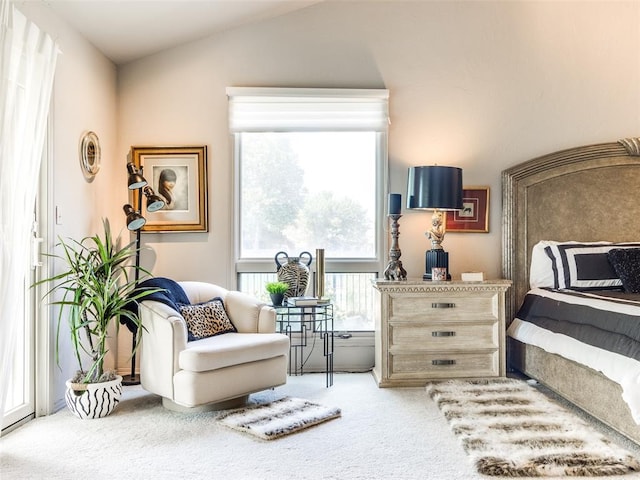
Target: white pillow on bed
(541,271)
(574,265)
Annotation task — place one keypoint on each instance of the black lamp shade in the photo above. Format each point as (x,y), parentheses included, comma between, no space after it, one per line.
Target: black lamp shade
(135,180)
(154,202)
(434,187)
(135,221)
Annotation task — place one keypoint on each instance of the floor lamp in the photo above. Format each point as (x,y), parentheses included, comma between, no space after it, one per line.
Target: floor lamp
(135,222)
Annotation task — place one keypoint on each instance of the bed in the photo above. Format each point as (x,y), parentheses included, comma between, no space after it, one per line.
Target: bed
(590,196)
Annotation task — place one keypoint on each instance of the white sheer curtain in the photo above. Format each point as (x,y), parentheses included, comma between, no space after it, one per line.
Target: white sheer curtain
(27,65)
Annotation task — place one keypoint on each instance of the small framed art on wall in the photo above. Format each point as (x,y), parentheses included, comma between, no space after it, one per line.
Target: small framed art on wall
(474,216)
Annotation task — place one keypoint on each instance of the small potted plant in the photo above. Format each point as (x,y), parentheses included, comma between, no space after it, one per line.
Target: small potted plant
(96,285)
(276,292)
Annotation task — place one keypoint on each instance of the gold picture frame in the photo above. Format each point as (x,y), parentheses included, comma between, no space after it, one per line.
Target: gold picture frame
(474,217)
(179,176)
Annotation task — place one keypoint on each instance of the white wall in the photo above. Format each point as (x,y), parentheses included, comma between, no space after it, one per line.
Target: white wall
(479,85)
(84,98)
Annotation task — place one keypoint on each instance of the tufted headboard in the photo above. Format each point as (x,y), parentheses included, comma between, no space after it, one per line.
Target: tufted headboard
(587,193)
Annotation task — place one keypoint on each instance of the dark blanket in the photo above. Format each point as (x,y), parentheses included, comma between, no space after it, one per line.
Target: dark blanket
(616,330)
(171,294)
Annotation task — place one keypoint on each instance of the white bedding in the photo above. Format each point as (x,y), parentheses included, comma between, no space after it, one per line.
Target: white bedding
(622,370)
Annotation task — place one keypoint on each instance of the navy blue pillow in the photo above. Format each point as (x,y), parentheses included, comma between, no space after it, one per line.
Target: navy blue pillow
(626,263)
(585,266)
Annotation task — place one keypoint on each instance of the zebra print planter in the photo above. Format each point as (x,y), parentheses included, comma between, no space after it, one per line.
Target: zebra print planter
(93,400)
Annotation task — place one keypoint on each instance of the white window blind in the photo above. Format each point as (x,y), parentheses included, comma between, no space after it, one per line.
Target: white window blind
(307,109)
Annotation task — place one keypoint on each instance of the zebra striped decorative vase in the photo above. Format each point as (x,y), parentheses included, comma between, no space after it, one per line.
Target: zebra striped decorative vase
(93,400)
(293,272)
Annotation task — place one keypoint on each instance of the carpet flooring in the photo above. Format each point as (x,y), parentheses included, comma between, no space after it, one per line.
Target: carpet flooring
(382,434)
(510,429)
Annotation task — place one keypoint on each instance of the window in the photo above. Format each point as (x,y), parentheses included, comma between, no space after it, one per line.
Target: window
(310,173)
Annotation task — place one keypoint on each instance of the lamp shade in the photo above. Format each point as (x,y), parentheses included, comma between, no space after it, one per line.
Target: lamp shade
(135,180)
(135,221)
(434,187)
(154,202)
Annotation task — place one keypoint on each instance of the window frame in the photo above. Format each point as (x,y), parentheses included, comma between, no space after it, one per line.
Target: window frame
(374,265)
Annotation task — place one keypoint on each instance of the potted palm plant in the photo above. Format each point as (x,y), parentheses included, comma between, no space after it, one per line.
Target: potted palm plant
(92,293)
(276,292)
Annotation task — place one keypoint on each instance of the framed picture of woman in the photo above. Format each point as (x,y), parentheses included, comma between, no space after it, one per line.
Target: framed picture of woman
(178,175)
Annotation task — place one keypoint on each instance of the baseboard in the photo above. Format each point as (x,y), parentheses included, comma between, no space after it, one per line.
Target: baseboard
(353,352)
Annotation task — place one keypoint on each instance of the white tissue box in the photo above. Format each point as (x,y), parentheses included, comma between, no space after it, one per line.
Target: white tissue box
(472,276)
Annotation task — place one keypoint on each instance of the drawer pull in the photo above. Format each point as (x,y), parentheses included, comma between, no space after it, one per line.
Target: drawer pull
(443,305)
(443,334)
(442,362)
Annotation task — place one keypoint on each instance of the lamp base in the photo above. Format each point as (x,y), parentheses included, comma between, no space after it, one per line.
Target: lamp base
(131,379)
(435,259)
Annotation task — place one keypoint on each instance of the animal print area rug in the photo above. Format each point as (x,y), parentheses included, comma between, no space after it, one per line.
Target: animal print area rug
(510,429)
(279,418)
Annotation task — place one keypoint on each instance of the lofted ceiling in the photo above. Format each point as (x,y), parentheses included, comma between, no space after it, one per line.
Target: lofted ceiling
(125,30)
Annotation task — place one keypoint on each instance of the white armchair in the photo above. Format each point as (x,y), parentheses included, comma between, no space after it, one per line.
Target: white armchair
(208,373)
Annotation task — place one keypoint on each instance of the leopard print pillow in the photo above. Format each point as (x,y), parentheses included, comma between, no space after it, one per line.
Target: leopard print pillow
(206,319)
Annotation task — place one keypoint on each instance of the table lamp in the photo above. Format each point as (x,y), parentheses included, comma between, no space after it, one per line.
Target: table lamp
(439,189)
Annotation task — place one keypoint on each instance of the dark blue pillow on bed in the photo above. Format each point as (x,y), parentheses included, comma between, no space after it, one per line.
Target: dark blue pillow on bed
(626,263)
(584,266)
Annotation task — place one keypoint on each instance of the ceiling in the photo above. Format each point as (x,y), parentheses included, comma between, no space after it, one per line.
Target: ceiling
(125,30)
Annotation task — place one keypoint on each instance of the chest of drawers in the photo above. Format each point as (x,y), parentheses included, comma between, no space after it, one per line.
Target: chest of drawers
(437,330)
